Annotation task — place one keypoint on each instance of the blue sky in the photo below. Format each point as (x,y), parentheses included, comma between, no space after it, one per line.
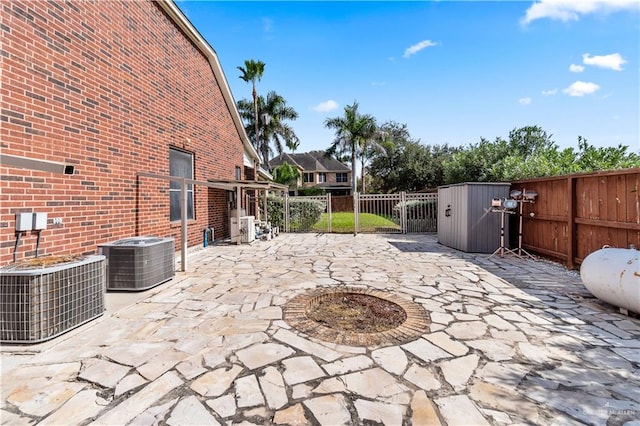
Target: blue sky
(453,71)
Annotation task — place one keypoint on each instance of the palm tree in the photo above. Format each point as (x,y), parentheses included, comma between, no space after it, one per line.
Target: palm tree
(352,132)
(270,126)
(293,145)
(252,72)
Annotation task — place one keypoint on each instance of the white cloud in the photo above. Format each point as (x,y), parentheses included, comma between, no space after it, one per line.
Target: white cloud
(613,61)
(418,47)
(581,88)
(524,101)
(576,68)
(549,92)
(572,10)
(326,106)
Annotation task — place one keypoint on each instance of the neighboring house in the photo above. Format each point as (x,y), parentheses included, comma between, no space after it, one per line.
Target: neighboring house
(318,170)
(127,94)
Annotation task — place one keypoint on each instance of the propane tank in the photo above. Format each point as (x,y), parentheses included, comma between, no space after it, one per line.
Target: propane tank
(613,275)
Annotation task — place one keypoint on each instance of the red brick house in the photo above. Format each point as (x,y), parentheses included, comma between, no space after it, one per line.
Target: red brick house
(113,89)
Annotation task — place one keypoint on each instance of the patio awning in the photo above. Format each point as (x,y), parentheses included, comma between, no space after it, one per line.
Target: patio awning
(229,185)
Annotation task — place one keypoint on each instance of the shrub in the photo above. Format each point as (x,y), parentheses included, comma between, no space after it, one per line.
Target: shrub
(418,209)
(303,214)
(310,191)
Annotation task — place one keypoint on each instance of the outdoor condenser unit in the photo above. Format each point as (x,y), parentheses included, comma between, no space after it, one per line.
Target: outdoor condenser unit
(139,263)
(246,230)
(41,302)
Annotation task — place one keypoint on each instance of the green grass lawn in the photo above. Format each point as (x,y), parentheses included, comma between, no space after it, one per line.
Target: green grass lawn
(344,222)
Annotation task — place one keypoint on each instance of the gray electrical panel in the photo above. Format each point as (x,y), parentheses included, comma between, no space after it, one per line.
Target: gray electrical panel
(465,219)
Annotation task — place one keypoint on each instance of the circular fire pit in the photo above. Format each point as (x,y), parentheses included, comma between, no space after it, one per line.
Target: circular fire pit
(356,316)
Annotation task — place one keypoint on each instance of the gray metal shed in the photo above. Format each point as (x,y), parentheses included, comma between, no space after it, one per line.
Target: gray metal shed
(465,220)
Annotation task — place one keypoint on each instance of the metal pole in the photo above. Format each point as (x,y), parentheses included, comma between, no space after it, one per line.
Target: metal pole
(287,225)
(183,224)
(329,212)
(238,207)
(266,213)
(356,208)
(520,229)
(403,211)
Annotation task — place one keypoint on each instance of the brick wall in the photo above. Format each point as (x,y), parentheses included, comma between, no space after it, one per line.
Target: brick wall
(108,87)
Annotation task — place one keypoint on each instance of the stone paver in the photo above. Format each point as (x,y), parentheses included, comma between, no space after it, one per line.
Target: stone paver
(189,411)
(425,350)
(293,416)
(459,410)
(128,409)
(458,371)
(103,373)
(273,387)
(422,378)
(248,392)
(225,405)
(329,410)
(263,354)
(423,410)
(216,382)
(388,414)
(300,370)
(511,341)
(79,408)
(393,359)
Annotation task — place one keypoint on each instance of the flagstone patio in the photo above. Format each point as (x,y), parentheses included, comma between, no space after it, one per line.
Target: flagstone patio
(508,341)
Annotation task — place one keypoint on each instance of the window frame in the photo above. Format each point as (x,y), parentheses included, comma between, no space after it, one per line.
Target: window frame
(322,177)
(339,179)
(176,154)
(308,177)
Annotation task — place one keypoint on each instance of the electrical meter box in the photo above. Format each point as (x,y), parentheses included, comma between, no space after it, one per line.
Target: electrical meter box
(39,221)
(24,222)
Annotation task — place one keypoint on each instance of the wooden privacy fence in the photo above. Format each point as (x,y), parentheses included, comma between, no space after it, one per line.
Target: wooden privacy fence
(575,215)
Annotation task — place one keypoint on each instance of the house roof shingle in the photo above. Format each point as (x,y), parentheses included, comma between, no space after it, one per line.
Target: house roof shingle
(310,161)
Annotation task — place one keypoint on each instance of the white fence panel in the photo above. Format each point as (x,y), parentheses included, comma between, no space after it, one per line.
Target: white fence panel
(372,213)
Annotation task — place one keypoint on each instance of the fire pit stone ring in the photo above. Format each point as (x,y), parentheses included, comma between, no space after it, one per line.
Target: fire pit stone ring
(332,314)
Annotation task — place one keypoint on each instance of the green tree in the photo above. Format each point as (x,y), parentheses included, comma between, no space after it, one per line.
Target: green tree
(273,128)
(351,132)
(590,158)
(476,162)
(374,145)
(525,141)
(530,152)
(286,174)
(406,164)
(252,72)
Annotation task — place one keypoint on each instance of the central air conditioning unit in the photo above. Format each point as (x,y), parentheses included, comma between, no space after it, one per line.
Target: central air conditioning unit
(246,231)
(41,302)
(139,263)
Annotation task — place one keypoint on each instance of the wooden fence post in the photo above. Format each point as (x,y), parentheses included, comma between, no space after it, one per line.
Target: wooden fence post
(571,222)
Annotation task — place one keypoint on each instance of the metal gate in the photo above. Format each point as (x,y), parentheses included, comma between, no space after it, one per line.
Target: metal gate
(379,213)
(421,213)
(365,213)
